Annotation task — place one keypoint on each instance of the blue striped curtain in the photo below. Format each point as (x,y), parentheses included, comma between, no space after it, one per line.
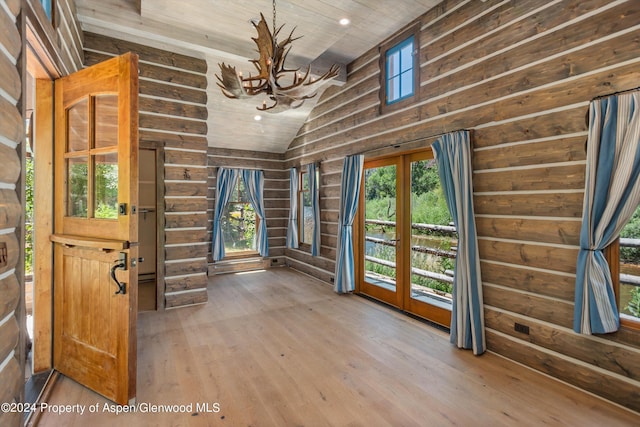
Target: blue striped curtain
(453,155)
(225,184)
(612,193)
(315,207)
(254,183)
(292,228)
(349,193)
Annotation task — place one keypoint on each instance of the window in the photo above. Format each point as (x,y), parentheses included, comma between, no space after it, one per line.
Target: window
(305,215)
(239,223)
(626,255)
(399,71)
(48,8)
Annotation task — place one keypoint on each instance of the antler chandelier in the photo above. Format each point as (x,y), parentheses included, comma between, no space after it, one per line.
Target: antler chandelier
(285,88)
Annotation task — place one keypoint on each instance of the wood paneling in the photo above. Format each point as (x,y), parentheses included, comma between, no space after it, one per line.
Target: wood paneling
(172,115)
(593,350)
(540,256)
(186,283)
(598,382)
(174,300)
(11,82)
(12,385)
(520,75)
(10,208)
(549,284)
(10,291)
(534,230)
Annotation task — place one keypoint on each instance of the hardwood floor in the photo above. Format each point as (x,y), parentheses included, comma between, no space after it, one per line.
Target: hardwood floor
(278,348)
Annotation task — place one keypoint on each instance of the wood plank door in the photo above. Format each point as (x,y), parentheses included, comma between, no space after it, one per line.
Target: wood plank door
(96,227)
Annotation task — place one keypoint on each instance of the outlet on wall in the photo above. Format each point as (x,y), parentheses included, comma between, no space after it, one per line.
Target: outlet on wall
(521,328)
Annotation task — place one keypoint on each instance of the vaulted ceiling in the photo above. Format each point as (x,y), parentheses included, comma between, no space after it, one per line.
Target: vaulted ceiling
(221,30)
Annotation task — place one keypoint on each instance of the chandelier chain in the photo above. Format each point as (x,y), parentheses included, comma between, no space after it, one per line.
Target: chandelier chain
(274,15)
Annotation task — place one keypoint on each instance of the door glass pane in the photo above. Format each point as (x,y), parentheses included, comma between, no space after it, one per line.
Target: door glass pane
(433,237)
(106,186)
(78,122)
(106,121)
(380,226)
(77,187)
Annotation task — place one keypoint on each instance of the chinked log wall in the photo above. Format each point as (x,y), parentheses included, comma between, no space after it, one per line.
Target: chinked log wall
(173,116)
(521,75)
(11,136)
(276,192)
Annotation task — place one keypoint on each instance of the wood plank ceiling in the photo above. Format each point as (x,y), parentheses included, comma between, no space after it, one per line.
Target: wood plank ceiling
(218,30)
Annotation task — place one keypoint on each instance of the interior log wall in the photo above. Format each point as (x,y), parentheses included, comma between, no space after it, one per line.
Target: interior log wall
(11,275)
(173,116)
(521,75)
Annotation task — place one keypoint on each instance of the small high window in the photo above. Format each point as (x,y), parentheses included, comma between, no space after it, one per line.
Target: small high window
(48,8)
(399,70)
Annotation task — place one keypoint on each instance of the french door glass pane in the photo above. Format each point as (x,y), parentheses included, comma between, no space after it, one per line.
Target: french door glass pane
(106,121)
(77,173)
(433,239)
(78,122)
(105,181)
(380,226)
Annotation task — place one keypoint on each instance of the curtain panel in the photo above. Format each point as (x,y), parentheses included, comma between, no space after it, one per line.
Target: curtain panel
(254,183)
(453,156)
(225,183)
(612,194)
(292,227)
(312,173)
(349,194)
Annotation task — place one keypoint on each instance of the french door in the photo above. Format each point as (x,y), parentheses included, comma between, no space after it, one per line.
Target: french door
(408,244)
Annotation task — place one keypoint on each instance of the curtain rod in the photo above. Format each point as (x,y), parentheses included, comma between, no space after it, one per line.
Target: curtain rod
(621,92)
(422,138)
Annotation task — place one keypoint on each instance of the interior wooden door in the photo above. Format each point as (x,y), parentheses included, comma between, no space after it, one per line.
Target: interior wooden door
(96,227)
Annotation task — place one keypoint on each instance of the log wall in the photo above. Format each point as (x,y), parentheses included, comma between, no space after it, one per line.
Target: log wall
(173,116)
(520,74)
(276,192)
(11,219)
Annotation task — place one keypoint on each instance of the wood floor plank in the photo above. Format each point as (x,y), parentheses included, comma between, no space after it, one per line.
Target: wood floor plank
(279,348)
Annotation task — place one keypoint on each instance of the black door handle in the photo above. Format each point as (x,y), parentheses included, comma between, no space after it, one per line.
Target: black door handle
(122,287)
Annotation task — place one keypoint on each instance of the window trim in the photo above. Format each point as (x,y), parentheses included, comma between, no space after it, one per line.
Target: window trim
(392,44)
(612,255)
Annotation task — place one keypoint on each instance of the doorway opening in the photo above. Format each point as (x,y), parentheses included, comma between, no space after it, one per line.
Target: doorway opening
(147,231)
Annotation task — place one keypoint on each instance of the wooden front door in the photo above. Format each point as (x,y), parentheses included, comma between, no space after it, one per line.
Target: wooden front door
(96,228)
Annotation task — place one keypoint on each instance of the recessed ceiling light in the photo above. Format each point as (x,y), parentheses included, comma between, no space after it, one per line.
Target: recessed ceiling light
(257,117)
(345,21)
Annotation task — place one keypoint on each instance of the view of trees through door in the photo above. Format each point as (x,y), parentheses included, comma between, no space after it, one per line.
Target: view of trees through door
(408,239)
